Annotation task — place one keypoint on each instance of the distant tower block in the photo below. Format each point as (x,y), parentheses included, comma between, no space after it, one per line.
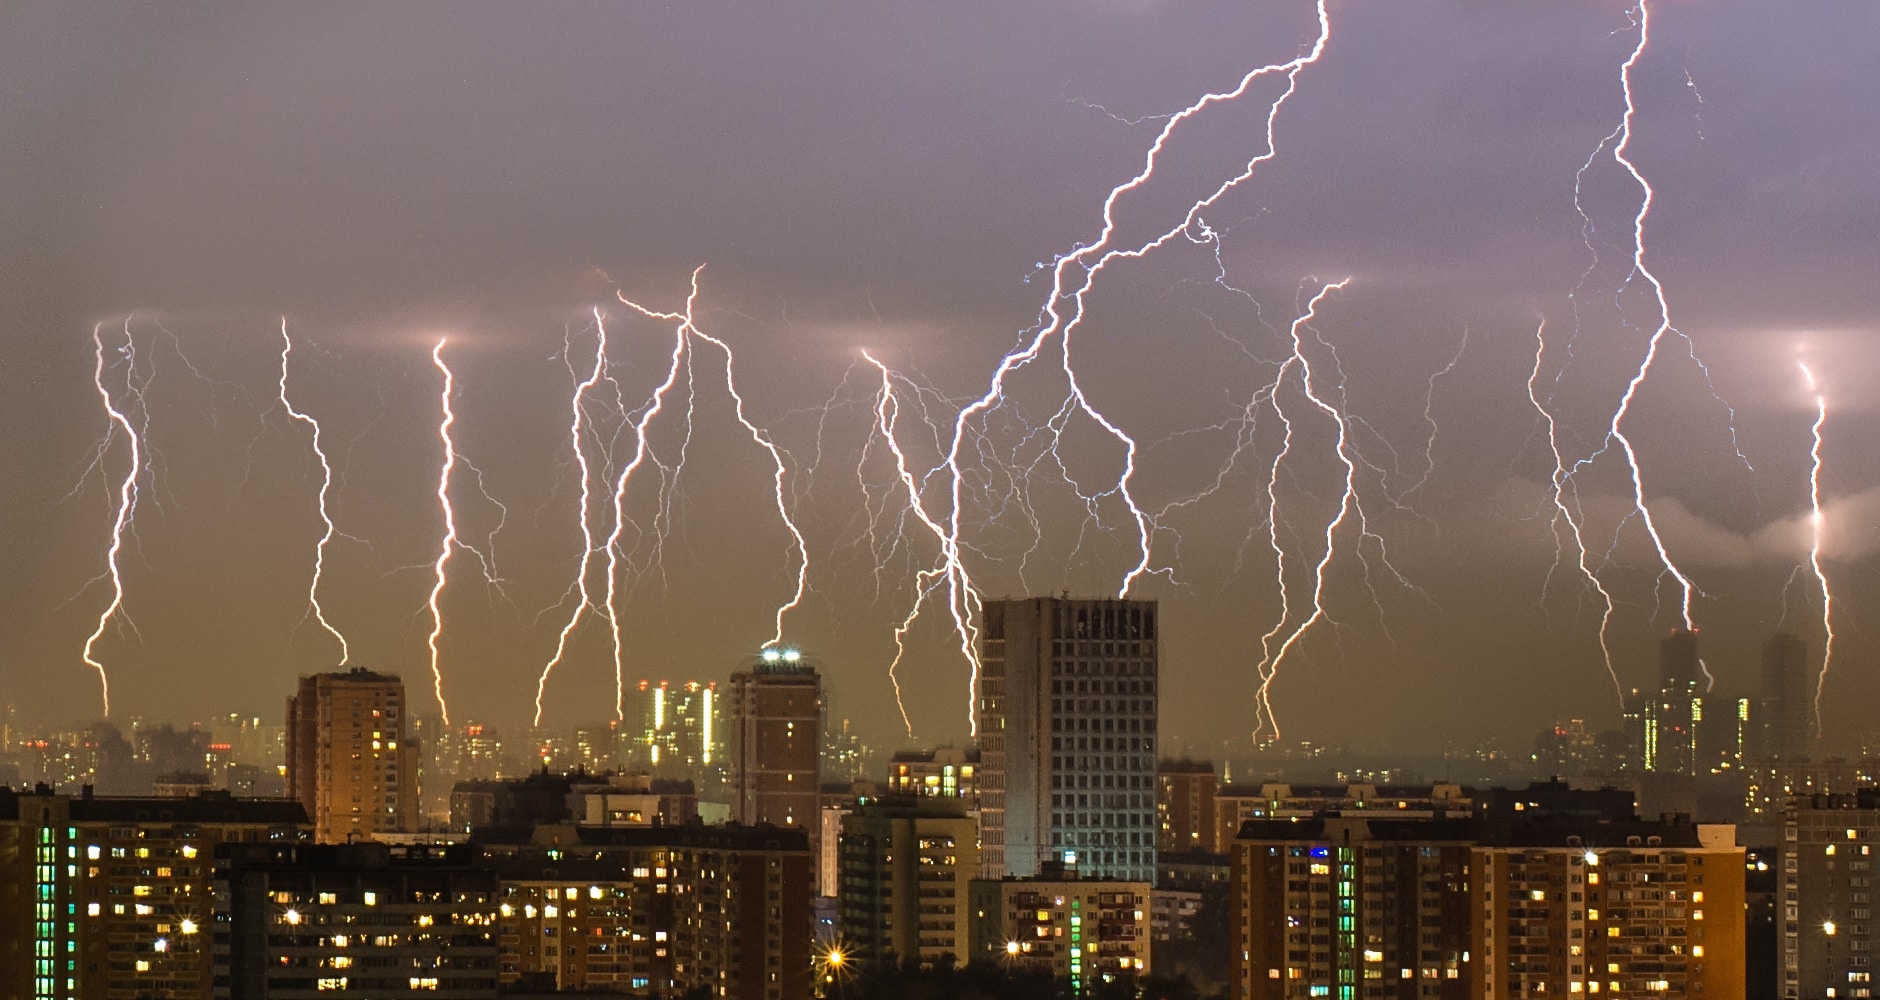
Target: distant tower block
(1787,701)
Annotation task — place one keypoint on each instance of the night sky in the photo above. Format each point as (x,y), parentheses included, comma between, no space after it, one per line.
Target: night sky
(901,177)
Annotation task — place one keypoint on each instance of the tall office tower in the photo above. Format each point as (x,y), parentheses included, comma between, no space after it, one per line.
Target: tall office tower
(1672,719)
(1067,733)
(776,707)
(1787,702)
(348,761)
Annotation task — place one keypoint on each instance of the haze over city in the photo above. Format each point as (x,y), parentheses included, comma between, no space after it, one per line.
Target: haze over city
(1451,188)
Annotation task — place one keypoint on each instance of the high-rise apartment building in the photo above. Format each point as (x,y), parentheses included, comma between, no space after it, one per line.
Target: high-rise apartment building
(365,919)
(348,760)
(657,911)
(1235,804)
(1827,933)
(944,772)
(905,865)
(1086,930)
(1067,736)
(107,898)
(1342,907)
(776,748)
(1351,907)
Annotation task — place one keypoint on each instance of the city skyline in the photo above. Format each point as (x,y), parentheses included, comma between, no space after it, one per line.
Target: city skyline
(909,184)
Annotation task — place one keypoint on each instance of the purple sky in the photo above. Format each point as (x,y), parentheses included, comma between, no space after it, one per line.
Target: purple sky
(901,179)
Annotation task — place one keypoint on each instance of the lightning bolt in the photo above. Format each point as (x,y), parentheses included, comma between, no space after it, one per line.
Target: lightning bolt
(687,335)
(655,403)
(450,541)
(1560,483)
(1814,545)
(1429,415)
(1072,276)
(887,415)
(1616,432)
(326,485)
(1564,476)
(126,496)
(577,434)
(1272,657)
(688,328)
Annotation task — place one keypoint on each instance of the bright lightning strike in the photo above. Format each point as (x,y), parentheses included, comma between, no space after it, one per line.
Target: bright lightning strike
(450,524)
(1564,478)
(1616,431)
(1564,514)
(1271,656)
(577,434)
(326,486)
(1814,545)
(126,499)
(686,336)
(1072,277)
(642,450)
(689,328)
(887,415)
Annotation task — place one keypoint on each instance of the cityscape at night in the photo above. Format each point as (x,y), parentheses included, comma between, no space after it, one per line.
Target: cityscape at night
(1133,499)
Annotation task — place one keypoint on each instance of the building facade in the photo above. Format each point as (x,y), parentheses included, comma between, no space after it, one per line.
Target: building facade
(1787,702)
(109,898)
(1067,736)
(1184,806)
(308,920)
(1236,804)
(1353,907)
(348,759)
(659,909)
(944,772)
(1824,895)
(1089,931)
(902,887)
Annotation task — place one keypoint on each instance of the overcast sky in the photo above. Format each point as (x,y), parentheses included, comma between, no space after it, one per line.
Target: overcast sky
(901,178)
